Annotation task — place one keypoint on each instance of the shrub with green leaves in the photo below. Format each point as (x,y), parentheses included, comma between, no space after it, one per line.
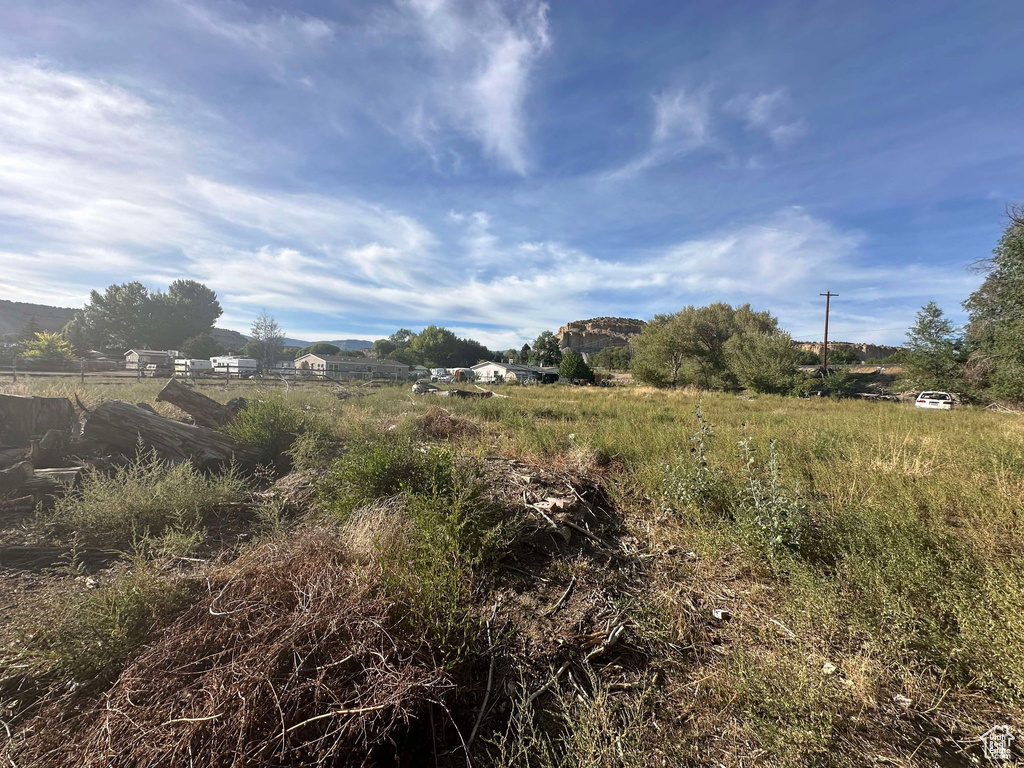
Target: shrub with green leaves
(146,497)
(382,465)
(271,424)
(769,513)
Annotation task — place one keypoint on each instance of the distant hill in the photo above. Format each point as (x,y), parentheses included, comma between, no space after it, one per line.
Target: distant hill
(14,316)
(349,344)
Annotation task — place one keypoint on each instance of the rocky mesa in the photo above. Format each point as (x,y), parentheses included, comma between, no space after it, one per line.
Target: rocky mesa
(587,336)
(862,351)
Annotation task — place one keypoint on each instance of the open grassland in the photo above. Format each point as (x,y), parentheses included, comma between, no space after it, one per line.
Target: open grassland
(800,582)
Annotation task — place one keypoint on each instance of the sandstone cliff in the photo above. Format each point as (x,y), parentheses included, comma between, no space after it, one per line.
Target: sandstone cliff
(862,351)
(587,336)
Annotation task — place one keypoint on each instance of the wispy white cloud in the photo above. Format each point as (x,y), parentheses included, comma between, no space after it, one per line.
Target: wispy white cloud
(682,123)
(687,119)
(96,186)
(482,59)
(770,113)
(277,34)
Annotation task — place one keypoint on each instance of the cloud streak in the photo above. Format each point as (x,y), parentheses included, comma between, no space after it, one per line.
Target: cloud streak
(482,59)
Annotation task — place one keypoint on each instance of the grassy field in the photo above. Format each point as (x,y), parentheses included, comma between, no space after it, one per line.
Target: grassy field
(799,582)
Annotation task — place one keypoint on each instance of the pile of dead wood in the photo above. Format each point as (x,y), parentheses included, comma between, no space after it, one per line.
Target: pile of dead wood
(426,388)
(44,448)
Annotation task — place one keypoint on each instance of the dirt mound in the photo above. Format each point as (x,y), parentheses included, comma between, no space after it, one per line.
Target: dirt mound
(561,585)
(288,660)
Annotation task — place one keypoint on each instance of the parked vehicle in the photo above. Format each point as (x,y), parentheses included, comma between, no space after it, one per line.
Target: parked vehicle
(192,367)
(942,400)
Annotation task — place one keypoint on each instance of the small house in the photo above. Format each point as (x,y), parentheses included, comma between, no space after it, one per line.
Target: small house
(514,372)
(338,367)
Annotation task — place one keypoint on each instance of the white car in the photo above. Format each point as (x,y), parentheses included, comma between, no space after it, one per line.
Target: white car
(942,400)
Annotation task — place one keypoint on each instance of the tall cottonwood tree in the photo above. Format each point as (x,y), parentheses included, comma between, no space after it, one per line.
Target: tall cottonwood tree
(127,316)
(689,346)
(995,330)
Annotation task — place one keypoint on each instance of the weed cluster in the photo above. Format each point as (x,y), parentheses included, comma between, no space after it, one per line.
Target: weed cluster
(146,498)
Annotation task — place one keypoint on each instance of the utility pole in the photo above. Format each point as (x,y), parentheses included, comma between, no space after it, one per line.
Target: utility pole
(824,352)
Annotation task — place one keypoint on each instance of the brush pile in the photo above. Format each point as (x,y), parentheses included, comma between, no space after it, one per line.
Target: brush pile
(290,659)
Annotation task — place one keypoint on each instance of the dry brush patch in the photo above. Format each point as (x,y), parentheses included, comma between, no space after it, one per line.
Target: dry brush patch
(289,659)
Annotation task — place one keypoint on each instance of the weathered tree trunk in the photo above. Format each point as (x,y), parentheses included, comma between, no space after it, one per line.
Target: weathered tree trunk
(22,418)
(205,411)
(122,426)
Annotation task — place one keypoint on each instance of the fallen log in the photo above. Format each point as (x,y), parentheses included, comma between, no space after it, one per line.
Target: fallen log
(123,426)
(22,418)
(14,506)
(205,411)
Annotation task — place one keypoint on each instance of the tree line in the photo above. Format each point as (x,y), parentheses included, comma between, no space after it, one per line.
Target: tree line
(984,359)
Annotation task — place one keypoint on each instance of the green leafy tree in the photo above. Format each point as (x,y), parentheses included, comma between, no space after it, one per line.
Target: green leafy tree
(545,350)
(573,366)
(118,319)
(660,350)
(995,329)
(933,354)
(48,347)
(201,346)
(841,355)
(437,347)
(266,342)
(612,358)
(524,354)
(382,348)
(74,331)
(319,348)
(763,362)
(187,309)
(128,316)
(688,347)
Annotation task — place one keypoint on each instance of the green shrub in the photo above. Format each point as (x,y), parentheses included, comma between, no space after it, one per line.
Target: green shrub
(382,465)
(146,497)
(271,424)
(770,515)
(445,530)
(314,449)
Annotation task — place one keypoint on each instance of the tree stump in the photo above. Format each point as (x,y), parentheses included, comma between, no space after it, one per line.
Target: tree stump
(122,426)
(205,411)
(22,418)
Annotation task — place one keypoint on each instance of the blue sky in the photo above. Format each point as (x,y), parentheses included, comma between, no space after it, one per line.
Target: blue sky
(504,168)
